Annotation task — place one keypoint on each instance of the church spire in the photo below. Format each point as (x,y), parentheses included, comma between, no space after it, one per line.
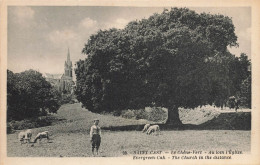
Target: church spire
(68,65)
(68,56)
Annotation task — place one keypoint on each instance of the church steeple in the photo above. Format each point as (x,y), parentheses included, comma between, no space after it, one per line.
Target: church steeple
(68,65)
(68,55)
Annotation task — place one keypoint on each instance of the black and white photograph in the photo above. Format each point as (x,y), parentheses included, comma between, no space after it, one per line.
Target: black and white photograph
(145,83)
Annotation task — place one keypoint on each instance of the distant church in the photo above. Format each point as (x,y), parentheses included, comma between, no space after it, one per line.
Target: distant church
(63,82)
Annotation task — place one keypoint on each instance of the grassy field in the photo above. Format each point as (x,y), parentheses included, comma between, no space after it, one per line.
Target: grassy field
(70,138)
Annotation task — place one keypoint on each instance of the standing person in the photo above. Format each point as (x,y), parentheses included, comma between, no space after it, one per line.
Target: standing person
(237,103)
(95,136)
(232,102)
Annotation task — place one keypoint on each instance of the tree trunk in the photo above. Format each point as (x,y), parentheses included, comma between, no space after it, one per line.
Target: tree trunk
(173,117)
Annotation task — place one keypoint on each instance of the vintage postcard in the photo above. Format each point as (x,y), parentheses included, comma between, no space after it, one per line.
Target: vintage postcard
(129,82)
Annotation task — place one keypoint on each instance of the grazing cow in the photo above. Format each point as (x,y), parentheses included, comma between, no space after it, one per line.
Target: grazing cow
(25,136)
(146,127)
(42,135)
(154,128)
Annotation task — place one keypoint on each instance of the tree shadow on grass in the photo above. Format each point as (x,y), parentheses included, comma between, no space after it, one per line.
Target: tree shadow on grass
(225,121)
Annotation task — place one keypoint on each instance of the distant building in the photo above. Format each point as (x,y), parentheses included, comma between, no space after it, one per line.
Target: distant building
(63,82)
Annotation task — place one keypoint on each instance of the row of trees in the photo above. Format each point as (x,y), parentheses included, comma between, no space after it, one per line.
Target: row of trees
(178,58)
(30,95)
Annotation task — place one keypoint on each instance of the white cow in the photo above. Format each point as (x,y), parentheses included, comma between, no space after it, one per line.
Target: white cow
(42,135)
(154,128)
(146,126)
(25,136)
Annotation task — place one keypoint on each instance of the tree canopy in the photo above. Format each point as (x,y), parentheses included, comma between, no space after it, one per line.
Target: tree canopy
(29,95)
(176,58)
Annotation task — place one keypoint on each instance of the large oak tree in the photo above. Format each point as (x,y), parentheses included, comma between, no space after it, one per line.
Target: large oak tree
(178,58)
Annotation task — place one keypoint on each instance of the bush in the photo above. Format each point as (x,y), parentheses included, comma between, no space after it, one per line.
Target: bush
(116,113)
(140,114)
(129,114)
(43,121)
(31,123)
(23,124)
(156,114)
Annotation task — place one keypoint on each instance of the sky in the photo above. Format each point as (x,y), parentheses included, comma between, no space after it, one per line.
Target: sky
(39,36)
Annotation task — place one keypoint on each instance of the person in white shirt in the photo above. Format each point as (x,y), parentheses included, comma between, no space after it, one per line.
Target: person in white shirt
(95,136)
